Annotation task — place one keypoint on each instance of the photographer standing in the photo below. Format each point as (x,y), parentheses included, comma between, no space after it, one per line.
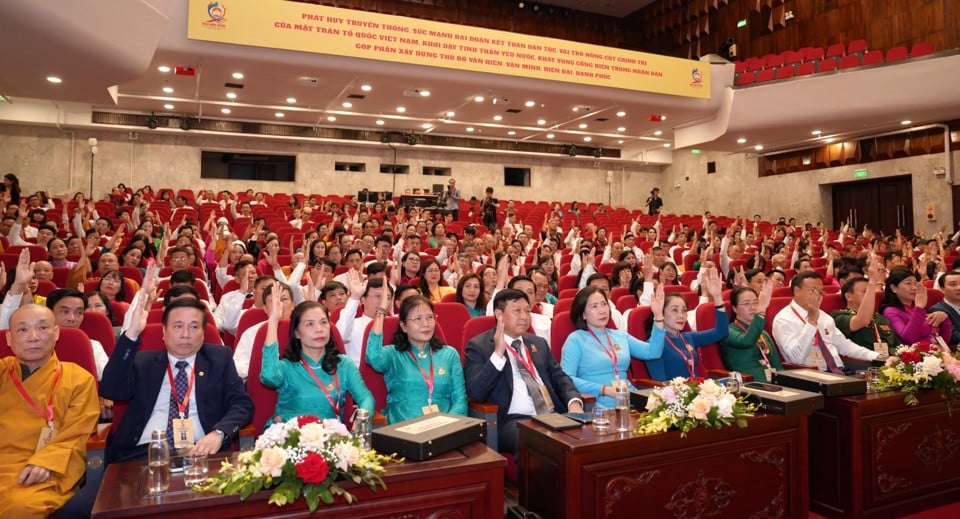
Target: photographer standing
(451,200)
(654,202)
(488,210)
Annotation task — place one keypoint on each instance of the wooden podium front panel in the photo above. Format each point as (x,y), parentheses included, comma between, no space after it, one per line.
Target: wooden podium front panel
(874,456)
(759,471)
(466,483)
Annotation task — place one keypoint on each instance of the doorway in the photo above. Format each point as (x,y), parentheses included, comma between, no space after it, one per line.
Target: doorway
(883,205)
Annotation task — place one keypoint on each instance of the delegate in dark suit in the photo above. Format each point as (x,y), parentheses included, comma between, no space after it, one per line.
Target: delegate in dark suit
(486,382)
(954,316)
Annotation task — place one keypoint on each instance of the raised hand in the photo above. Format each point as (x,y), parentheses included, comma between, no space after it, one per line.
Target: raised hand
(276,302)
(656,304)
(921,299)
(766,293)
(355,285)
(714,285)
(499,346)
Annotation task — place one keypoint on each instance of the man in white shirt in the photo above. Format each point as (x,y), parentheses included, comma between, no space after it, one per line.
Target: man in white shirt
(68,305)
(350,326)
(245,343)
(807,335)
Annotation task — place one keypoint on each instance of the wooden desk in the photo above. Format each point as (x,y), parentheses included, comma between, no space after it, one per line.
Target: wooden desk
(874,456)
(464,483)
(760,471)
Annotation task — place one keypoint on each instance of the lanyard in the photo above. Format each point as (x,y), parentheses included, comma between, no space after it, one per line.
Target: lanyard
(426,380)
(336,381)
(181,404)
(691,362)
(876,331)
(23,392)
(611,352)
(817,339)
(523,360)
(762,343)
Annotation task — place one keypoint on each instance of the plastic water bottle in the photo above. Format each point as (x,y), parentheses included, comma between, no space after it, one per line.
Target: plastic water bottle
(158,463)
(361,426)
(622,409)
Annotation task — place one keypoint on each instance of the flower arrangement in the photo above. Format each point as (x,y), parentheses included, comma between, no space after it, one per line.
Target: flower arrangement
(689,403)
(917,367)
(303,455)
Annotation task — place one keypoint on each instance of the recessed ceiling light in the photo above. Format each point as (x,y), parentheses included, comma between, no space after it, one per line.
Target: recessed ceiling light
(511,132)
(291,100)
(758,147)
(168,106)
(663,117)
(469,128)
(741,140)
(279,114)
(451,114)
(163,68)
(331,118)
(667,145)
(550,135)
(231,95)
(478,99)
(426,126)
(347,104)
(576,108)
(622,129)
(380,122)
(225,110)
(658,133)
(816,132)
(620,142)
(424,93)
(904,122)
(237,75)
(583,126)
(401,109)
(621,113)
(587,138)
(366,88)
(530,104)
(541,122)
(168,90)
(497,117)
(54,79)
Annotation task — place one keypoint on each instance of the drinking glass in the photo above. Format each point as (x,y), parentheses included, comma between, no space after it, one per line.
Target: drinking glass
(601,420)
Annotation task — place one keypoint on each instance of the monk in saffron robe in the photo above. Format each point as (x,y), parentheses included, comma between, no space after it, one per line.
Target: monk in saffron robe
(48,409)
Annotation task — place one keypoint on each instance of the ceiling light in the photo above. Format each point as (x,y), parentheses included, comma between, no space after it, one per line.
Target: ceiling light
(758,147)
(497,117)
(237,75)
(622,129)
(401,109)
(587,138)
(427,126)
(478,99)
(550,135)
(347,104)
(469,128)
(366,88)
(663,117)
(831,139)
(380,122)
(816,132)
(331,118)
(620,141)
(451,114)
(279,114)
(168,90)
(658,133)
(667,145)
(576,109)
(168,106)
(741,140)
(163,68)
(511,132)
(904,122)
(225,110)
(530,104)
(541,122)
(54,79)
(583,126)
(231,95)
(621,113)
(424,93)
(291,100)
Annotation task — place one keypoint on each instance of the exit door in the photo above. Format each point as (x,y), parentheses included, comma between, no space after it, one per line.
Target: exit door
(883,205)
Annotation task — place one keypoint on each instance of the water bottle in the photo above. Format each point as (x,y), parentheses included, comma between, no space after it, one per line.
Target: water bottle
(622,409)
(158,463)
(361,427)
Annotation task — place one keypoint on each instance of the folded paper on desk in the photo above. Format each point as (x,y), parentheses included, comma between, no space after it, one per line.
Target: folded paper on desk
(826,384)
(427,436)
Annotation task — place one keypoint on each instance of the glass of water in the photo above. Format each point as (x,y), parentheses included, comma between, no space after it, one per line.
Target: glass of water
(195,469)
(601,420)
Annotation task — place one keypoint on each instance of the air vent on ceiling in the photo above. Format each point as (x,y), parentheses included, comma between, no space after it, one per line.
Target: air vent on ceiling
(357,96)
(238,86)
(308,81)
(601,119)
(513,110)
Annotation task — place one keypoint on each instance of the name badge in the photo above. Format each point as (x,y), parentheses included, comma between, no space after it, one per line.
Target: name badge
(428,409)
(46,436)
(182,434)
(881,347)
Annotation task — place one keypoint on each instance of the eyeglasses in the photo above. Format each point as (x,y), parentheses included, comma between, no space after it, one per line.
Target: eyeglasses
(179,259)
(815,291)
(432,271)
(421,319)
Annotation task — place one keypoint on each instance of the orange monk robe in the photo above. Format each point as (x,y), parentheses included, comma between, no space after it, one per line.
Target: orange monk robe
(76,409)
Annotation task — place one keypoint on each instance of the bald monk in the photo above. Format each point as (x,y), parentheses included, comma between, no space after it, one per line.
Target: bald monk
(42,454)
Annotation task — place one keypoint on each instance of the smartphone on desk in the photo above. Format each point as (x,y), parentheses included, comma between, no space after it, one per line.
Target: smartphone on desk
(583,418)
(763,386)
